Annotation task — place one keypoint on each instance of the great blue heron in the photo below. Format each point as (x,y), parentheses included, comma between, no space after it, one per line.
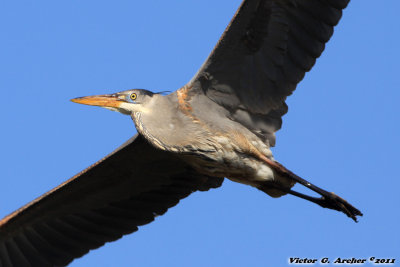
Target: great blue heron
(221,124)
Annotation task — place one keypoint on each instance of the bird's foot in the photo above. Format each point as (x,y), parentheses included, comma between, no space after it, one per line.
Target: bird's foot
(332,201)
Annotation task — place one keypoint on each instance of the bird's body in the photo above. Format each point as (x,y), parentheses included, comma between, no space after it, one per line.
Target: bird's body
(221,124)
(216,145)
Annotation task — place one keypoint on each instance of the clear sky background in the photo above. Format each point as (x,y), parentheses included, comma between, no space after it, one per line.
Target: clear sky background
(341,132)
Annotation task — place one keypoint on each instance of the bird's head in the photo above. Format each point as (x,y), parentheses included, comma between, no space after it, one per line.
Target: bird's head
(125,102)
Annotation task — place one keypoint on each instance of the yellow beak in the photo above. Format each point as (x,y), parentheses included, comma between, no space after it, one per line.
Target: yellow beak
(113,101)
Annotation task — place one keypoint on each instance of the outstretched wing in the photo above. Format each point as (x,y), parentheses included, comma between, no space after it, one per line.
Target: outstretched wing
(262,56)
(112,198)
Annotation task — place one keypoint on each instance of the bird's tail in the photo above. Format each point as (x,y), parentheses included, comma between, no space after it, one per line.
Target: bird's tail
(277,188)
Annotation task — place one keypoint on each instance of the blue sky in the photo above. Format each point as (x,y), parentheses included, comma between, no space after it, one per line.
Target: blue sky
(341,132)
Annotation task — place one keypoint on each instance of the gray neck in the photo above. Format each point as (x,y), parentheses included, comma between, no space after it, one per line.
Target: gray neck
(137,118)
(164,125)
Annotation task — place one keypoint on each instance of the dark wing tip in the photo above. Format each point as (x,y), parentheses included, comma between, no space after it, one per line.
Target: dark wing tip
(101,204)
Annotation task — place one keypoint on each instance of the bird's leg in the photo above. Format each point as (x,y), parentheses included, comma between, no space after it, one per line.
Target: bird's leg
(327,200)
(331,202)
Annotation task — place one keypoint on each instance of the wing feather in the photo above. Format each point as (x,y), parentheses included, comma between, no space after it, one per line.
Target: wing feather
(127,189)
(263,54)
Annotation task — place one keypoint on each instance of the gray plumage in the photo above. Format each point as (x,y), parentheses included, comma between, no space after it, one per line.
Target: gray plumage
(220,125)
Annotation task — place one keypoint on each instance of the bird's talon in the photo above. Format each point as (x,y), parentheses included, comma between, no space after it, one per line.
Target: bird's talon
(333,201)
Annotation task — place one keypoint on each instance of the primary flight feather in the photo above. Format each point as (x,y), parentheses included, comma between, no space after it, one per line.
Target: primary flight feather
(220,125)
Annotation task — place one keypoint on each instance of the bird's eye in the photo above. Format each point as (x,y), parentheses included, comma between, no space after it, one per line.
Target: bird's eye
(133,96)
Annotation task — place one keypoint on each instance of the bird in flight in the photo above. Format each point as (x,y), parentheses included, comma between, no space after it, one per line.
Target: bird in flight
(221,124)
